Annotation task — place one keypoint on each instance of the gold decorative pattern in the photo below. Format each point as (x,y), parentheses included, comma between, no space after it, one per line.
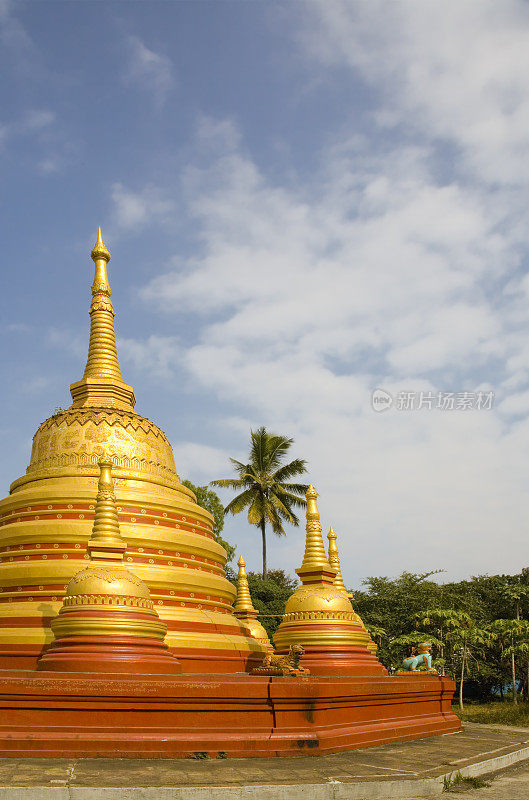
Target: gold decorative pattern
(102,599)
(77,436)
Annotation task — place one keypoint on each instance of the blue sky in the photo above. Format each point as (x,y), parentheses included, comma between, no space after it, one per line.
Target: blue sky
(304,202)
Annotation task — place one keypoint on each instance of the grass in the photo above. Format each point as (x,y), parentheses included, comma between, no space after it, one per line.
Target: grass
(499,713)
(458,783)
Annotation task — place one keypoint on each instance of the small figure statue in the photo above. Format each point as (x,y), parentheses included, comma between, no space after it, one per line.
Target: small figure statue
(273,664)
(423,658)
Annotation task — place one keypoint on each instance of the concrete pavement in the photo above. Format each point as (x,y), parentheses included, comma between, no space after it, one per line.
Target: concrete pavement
(412,769)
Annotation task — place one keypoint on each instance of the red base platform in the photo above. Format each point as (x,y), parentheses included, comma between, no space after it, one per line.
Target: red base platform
(82,714)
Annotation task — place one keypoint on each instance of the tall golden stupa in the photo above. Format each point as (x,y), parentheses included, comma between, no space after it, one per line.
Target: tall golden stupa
(46,520)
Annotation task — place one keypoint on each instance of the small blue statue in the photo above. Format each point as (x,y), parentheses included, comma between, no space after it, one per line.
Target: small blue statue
(423,657)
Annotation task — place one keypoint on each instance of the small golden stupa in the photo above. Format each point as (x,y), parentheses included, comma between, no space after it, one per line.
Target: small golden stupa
(108,622)
(244,610)
(319,615)
(334,561)
(45,522)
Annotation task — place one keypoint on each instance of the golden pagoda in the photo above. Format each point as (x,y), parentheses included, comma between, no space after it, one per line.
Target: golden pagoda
(108,622)
(45,522)
(244,610)
(319,615)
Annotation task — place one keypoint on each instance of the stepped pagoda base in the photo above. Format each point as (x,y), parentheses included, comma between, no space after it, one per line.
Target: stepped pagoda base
(339,660)
(193,659)
(68,715)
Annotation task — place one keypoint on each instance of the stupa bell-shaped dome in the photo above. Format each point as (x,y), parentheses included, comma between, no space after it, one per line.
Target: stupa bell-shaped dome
(108,581)
(323,597)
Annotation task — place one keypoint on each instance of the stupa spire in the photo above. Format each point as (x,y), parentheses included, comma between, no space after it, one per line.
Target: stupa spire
(106,542)
(243,603)
(102,383)
(315,567)
(334,561)
(244,610)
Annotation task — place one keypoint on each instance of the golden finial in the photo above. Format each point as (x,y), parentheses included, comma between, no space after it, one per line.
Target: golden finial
(99,251)
(315,559)
(243,603)
(106,542)
(102,384)
(334,561)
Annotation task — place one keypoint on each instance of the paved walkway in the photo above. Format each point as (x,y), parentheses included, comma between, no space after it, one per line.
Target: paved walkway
(404,769)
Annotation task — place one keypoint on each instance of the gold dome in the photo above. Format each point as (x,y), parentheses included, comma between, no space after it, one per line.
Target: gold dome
(74,440)
(318,597)
(105,581)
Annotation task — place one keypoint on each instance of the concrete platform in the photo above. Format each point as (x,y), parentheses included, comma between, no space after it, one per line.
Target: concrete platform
(413,769)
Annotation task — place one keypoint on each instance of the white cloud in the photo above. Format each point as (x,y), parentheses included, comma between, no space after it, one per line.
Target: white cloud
(151,71)
(452,70)
(35,385)
(403,270)
(64,340)
(135,209)
(37,119)
(311,302)
(13,35)
(199,462)
(157,354)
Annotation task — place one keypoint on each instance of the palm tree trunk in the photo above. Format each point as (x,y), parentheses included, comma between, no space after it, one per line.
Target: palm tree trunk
(513,663)
(513,668)
(263,536)
(463,664)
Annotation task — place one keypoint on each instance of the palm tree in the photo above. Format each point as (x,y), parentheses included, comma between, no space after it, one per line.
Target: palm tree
(267,492)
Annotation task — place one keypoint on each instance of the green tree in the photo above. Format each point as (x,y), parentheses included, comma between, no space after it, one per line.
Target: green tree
(516,595)
(388,607)
(513,636)
(464,637)
(268,493)
(459,631)
(210,500)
